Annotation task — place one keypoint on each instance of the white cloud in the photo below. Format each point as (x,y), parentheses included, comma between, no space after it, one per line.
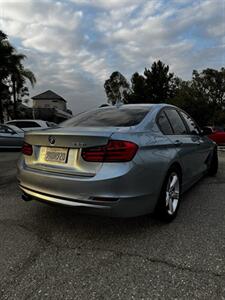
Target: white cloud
(57,74)
(41,12)
(43,25)
(108,4)
(162,30)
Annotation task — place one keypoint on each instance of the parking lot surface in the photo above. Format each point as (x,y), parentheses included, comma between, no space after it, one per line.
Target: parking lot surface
(55,253)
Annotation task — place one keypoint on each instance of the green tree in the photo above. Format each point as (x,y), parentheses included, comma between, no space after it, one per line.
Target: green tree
(12,72)
(116,88)
(210,84)
(138,93)
(19,75)
(204,96)
(193,102)
(157,85)
(4,99)
(5,51)
(161,84)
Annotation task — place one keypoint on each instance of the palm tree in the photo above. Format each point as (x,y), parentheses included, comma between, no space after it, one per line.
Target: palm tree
(19,75)
(11,66)
(6,51)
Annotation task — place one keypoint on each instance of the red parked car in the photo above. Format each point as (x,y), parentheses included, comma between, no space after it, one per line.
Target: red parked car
(217,134)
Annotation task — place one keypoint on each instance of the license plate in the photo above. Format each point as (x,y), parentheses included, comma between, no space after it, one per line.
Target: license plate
(56,155)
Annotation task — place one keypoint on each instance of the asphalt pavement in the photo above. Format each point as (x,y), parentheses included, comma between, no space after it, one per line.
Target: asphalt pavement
(55,253)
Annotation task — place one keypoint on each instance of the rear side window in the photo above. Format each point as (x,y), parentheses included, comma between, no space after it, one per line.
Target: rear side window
(176,122)
(106,117)
(193,128)
(164,124)
(22,124)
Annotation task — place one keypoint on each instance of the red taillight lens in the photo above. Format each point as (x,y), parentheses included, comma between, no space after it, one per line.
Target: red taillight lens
(114,151)
(27,149)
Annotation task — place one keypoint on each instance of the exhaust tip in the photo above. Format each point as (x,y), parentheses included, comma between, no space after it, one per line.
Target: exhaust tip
(26,197)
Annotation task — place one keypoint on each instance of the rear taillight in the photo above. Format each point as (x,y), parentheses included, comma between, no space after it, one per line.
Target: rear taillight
(27,149)
(114,151)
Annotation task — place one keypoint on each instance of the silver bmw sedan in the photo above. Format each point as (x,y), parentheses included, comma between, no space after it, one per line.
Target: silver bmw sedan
(117,161)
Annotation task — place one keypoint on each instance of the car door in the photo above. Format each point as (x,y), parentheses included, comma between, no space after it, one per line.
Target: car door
(204,145)
(187,146)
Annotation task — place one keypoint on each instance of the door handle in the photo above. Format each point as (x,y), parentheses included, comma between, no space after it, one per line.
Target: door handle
(178,143)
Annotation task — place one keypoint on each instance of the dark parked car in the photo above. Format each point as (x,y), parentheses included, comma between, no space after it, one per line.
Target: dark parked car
(11,136)
(125,161)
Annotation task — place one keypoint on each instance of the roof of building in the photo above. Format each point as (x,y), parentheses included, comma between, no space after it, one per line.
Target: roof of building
(48,95)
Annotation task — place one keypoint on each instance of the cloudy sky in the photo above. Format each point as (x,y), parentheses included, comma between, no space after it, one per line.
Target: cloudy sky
(74,45)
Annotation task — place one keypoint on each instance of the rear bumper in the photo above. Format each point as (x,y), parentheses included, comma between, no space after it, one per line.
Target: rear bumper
(123,208)
(124,195)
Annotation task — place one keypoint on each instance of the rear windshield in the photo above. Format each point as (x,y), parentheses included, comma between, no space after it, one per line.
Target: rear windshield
(106,117)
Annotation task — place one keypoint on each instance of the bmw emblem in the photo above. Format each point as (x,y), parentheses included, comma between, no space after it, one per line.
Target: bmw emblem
(51,140)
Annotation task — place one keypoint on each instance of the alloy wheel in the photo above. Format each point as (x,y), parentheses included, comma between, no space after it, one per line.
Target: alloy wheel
(172,193)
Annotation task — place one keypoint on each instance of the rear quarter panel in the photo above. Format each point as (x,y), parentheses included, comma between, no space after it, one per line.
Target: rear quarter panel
(154,157)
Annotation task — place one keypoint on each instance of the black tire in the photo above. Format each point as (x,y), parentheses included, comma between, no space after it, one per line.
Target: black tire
(162,210)
(213,166)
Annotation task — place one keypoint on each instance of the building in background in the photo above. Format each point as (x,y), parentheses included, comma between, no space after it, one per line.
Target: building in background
(47,106)
(50,106)
(49,99)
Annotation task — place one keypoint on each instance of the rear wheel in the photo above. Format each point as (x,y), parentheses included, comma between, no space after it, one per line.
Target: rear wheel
(213,167)
(169,199)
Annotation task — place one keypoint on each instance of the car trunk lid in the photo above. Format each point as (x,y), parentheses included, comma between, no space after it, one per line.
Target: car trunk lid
(58,150)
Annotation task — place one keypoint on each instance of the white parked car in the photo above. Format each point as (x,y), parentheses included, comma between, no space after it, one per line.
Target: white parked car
(28,125)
